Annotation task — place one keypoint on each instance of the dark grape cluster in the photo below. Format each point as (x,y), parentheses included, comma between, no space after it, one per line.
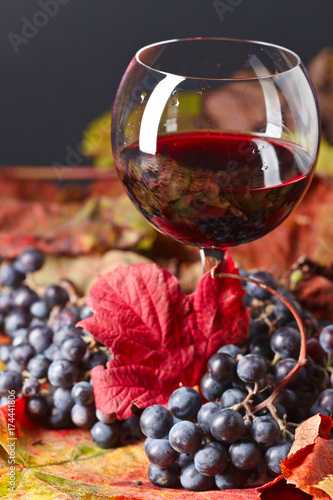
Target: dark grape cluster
(48,359)
(236,436)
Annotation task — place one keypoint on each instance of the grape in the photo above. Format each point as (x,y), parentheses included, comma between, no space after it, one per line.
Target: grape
(314,349)
(10,381)
(211,390)
(185,437)
(23,297)
(29,260)
(56,295)
(52,353)
(83,393)
(211,459)
(10,277)
(97,358)
(265,430)
(251,368)
(164,478)
(205,414)
(156,421)
(192,480)
(62,373)
(222,367)
(283,367)
(83,416)
(255,290)
(22,353)
(231,478)
(59,419)
(231,349)
(275,454)
(281,310)
(325,402)
(5,353)
(245,454)
(105,435)
(227,426)
(286,342)
(65,332)
(20,336)
(5,302)
(326,338)
(38,366)
(30,387)
(62,399)
(106,418)
(85,312)
(160,452)
(37,408)
(184,403)
(39,309)
(67,316)
(14,320)
(130,430)
(40,337)
(232,397)
(73,349)
(184,460)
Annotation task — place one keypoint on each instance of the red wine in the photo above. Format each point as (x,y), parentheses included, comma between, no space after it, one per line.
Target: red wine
(215,190)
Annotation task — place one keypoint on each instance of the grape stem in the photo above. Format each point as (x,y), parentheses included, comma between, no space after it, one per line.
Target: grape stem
(302,354)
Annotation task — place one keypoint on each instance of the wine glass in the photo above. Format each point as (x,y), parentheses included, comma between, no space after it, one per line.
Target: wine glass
(214,139)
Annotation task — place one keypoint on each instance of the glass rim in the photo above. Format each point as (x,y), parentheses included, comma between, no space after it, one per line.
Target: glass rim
(290,52)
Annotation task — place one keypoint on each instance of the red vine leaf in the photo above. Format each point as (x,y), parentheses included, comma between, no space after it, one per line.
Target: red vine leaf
(310,463)
(159,337)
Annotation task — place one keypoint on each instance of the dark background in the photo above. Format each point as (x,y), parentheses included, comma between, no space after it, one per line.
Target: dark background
(61,75)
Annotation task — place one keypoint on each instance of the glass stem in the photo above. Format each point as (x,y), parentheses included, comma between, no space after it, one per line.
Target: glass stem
(210,257)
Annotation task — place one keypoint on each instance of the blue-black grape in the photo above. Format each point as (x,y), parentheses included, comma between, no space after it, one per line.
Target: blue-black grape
(11,277)
(22,353)
(231,349)
(39,309)
(5,353)
(83,393)
(227,425)
(30,260)
(40,337)
(85,312)
(56,295)
(156,421)
(62,399)
(38,366)
(231,478)
(30,387)
(245,454)
(5,302)
(161,453)
(325,402)
(251,368)
(211,459)
(210,388)
(62,373)
(205,414)
(83,416)
(192,480)
(286,342)
(283,312)
(23,297)
(14,320)
(73,349)
(283,367)
(130,430)
(185,437)
(265,430)
(10,381)
(274,454)
(184,403)
(37,408)
(67,316)
(105,435)
(326,338)
(164,478)
(65,332)
(232,397)
(222,367)
(314,349)
(59,419)
(257,291)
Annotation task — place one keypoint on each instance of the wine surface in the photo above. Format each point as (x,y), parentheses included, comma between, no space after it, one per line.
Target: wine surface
(217,190)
